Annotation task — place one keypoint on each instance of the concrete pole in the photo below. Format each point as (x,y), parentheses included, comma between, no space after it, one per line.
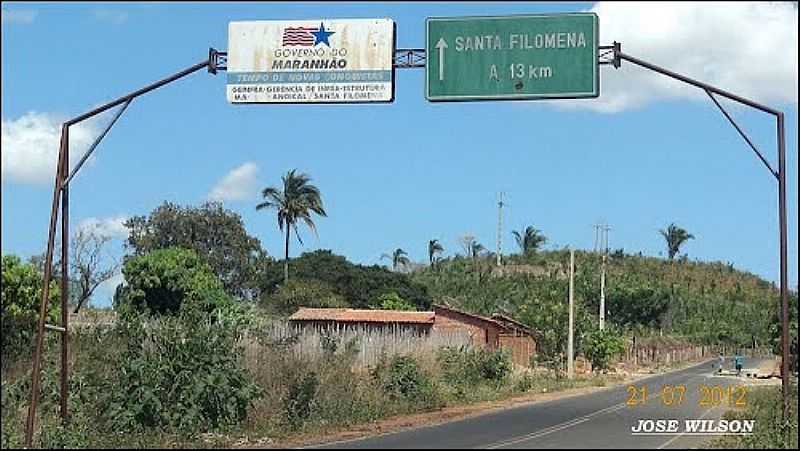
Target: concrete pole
(603,294)
(570,347)
(499,227)
(604,250)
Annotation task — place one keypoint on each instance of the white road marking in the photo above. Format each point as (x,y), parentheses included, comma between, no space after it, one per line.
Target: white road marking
(555,428)
(669,442)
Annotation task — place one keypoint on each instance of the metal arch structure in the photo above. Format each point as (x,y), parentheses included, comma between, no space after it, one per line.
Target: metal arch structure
(403,59)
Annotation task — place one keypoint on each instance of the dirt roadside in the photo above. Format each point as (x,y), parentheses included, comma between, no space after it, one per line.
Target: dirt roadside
(447,414)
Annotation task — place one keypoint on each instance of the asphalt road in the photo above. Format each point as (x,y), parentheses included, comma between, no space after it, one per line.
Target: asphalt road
(601,419)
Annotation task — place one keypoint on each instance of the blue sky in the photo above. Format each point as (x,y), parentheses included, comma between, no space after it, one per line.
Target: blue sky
(646,153)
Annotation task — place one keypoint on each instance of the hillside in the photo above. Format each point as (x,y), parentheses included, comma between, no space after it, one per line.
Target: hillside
(704,302)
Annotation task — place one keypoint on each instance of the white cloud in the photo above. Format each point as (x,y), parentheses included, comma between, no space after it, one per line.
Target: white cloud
(746,48)
(104,294)
(112,227)
(114,17)
(20,16)
(238,184)
(30,146)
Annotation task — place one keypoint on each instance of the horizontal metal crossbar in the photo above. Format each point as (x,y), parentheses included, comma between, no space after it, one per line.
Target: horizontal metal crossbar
(55,328)
(403,58)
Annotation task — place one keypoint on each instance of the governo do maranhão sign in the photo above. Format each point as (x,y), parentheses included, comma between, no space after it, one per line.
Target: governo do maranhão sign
(311,61)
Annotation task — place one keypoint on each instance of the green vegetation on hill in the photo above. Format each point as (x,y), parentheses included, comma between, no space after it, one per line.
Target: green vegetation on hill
(708,303)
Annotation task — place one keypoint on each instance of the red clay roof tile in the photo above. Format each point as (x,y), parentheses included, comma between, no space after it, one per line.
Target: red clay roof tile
(362,316)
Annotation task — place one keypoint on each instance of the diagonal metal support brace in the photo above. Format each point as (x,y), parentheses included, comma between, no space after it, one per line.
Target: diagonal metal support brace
(61,198)
(780,175)
(95,143)
(742,133)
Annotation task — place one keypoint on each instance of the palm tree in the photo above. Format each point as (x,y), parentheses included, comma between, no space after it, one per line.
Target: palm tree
(294,203)
(399,257)
(476,249)
(675,237)
(529,240)
(434,247)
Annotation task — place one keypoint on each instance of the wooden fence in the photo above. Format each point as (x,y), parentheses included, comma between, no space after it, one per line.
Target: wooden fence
(370,343)
(667,352)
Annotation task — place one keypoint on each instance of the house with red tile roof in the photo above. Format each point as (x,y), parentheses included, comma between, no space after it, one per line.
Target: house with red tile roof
(493,333)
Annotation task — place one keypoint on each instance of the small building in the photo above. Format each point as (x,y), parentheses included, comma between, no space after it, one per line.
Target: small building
(497,332)
(493,333)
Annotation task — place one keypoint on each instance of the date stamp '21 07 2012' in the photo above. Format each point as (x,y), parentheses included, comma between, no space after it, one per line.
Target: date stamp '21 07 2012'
(676,395)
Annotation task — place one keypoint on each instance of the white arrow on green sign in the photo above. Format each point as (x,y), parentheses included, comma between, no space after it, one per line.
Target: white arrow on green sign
(512,57)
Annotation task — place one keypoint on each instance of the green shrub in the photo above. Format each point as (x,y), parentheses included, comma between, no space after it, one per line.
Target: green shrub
(302,293)
(180,373)
(402,379)
(601,346)
(393,301)
(765,406)
(495,366)
(301,400)
(215,233)
(168,280)
(21,297)
(466,367)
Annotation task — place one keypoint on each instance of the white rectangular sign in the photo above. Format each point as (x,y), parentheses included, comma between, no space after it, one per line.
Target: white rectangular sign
(311,61)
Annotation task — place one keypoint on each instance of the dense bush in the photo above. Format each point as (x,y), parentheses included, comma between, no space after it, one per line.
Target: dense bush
(393,301)
(168,280)
(765,406)
(301,293)
(138,379)
(300,401)
(601,346)
(359,285)
(465,367)
(179,372)
(401,378)
(217,236)
(21,298)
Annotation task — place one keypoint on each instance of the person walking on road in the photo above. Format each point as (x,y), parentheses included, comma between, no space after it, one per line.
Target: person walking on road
(721,362)
(737,361)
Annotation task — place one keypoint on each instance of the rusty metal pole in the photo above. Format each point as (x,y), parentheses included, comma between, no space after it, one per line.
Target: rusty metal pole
(780,175)
(61,193)
(37,354)
(64,275)
(784,276)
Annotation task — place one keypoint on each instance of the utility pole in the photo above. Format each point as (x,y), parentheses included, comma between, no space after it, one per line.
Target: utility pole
(604,244)
(499,226)
(570,348)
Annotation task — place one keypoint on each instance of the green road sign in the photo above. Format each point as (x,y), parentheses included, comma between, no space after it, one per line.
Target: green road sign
(512,57)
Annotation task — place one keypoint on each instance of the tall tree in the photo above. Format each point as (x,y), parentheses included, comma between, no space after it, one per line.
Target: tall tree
(89,268)
(217,235)
(399,258)
(529,240)
(434,247)
(675,237)
(295,202)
